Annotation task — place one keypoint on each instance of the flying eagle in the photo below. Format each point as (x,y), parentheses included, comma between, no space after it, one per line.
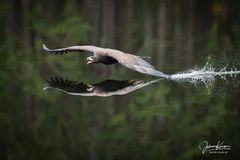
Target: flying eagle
(111,56)
(102,89)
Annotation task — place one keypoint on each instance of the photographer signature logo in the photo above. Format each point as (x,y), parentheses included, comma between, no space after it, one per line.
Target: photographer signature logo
(220,147)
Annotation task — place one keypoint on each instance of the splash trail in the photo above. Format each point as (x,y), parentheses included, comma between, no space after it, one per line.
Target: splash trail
(204,75)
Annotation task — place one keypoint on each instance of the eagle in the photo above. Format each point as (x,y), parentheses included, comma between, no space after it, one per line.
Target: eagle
(102,89)
(109,56)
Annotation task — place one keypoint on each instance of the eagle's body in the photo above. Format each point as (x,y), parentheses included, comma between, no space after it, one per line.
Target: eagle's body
(109,56)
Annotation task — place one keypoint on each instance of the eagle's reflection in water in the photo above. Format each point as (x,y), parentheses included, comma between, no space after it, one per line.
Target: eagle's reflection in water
(102,89)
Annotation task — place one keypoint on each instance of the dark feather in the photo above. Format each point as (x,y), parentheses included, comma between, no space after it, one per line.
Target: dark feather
(107,60)
(68,86)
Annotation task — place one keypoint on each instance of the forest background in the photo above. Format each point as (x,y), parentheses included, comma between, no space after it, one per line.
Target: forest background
(164,121)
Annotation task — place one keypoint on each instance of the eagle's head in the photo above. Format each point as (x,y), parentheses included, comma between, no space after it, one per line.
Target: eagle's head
(92,59)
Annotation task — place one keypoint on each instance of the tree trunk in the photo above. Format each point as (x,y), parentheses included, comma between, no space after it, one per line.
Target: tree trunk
(108,25)
(178,55)
(190,32)
(93,10)
(162,33)
(9,19)
(124,29)
(25,26)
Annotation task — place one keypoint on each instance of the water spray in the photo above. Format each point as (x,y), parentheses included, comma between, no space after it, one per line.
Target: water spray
(205,75)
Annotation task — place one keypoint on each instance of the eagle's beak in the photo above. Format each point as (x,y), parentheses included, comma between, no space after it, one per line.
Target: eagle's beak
(89,60)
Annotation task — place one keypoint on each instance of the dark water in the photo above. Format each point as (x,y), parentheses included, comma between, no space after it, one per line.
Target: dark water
(151,116)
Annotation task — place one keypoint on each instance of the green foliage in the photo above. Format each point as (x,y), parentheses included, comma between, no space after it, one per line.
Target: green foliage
(72,30)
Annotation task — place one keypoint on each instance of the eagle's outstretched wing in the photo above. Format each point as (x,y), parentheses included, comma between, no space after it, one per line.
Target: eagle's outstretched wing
(135,63)
(69,87)
(116,87)
(70,49)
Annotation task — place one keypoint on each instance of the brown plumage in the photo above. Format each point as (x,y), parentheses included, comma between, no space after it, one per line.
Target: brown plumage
(111,56)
